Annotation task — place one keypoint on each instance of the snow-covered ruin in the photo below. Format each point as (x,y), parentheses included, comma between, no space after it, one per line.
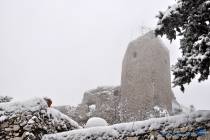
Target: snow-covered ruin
(145,86)
(110,112)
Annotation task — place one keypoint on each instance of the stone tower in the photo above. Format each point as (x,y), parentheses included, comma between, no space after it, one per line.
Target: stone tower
(145,80)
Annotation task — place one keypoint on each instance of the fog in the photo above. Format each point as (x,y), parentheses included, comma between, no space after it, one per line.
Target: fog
(61,48)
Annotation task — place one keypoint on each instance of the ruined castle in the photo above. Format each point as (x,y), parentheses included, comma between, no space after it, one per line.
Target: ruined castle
(145,86)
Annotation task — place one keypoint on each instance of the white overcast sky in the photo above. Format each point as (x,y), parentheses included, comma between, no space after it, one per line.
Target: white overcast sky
(61,48)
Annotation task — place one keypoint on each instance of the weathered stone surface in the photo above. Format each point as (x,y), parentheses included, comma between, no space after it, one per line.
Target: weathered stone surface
(145,78)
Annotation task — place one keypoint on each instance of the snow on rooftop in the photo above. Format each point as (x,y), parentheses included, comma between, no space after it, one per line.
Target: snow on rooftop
(131,129)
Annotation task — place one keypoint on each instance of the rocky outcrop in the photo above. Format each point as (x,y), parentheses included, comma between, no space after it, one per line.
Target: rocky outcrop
(145,77)
(31,120)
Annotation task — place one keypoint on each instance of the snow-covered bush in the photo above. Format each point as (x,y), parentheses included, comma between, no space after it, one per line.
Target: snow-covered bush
(96,121)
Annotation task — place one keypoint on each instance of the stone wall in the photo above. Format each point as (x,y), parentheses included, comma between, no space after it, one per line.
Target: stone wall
(195,125)
(25,122)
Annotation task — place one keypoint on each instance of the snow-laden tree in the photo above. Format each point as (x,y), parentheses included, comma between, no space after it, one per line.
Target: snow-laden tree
(5,99)
(190,20)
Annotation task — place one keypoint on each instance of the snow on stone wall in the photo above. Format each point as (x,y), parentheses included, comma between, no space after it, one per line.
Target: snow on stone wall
(182,126)
(31,120)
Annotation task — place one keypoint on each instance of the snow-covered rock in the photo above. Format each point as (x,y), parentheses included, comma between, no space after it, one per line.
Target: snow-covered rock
(95,122)
(32,119)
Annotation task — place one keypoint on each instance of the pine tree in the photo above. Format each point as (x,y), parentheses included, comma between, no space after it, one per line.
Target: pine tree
(190,20)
